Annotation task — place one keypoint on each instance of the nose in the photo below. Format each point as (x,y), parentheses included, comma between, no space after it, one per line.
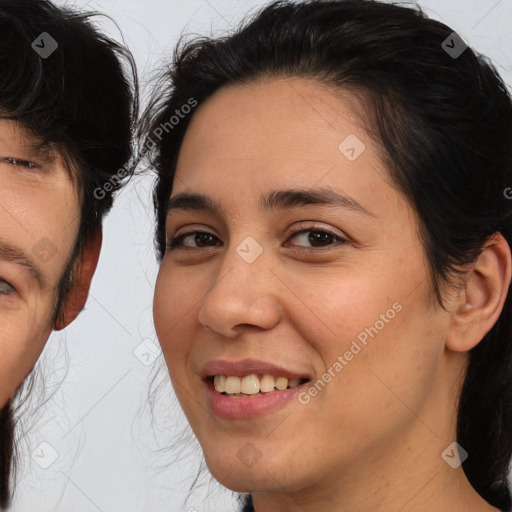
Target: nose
(244,294)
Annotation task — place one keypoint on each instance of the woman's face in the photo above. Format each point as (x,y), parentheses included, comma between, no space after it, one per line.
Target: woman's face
(298,261)
(39,218)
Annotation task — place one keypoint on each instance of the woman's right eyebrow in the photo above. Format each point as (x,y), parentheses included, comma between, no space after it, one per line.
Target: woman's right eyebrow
(275,199)
(284,199)
(190,201)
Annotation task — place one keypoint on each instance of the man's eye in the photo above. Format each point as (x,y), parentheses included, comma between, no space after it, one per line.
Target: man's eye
(18,162)
(6,288)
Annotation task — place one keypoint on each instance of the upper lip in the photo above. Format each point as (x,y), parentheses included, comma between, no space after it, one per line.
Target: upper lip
(244,367)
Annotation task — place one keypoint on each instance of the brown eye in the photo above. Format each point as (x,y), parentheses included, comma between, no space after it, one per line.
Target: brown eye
(320,238)
(199,238)
(203,239)
(316,238)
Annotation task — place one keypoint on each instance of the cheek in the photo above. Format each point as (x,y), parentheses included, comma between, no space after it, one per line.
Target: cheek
(176,305)
(173,310)
(387,368)
(22,338)
(373,341)
(331,309)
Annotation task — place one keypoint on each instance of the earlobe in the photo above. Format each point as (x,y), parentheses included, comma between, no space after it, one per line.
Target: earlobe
(84,267)
(481,300)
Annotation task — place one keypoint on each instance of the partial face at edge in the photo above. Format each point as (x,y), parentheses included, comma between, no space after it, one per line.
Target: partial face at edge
(295,287)
(39,219)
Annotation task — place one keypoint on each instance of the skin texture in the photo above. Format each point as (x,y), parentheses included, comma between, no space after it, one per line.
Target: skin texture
(39,216)
(372,438)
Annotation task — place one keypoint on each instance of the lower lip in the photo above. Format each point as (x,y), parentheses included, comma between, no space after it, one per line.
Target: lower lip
(243,408)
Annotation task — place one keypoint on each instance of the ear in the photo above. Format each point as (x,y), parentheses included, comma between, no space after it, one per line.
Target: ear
(83,270)
(480,302)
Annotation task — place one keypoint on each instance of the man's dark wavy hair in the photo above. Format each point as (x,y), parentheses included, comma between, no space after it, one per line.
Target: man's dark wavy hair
(444,129)
(81,101)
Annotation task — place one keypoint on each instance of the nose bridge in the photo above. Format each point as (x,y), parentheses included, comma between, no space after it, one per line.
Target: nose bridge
(241,293)
(239,270)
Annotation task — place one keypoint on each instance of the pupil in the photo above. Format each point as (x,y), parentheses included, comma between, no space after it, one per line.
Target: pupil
(318,238)
(202,239)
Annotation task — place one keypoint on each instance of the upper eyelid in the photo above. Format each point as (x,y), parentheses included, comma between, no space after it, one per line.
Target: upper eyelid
(318,229)
(314,227)
(186,234)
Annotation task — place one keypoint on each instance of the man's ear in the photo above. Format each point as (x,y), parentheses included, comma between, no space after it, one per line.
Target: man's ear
(480,302)
(83,270)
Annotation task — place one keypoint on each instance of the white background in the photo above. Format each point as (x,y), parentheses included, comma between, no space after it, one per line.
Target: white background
(102,448)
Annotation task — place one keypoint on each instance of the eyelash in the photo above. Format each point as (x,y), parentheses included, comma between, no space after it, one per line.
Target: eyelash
(176,241)
(18,162)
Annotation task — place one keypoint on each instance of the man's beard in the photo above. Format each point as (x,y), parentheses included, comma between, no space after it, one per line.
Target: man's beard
(6,449)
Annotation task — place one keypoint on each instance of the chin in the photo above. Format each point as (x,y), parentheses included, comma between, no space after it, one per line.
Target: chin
(251,481)
(246,471)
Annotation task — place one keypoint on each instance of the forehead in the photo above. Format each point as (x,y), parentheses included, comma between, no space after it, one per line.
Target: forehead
(282,131)
(44,193)
(267,106)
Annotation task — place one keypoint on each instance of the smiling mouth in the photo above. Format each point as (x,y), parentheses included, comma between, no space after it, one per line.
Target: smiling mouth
(252,385)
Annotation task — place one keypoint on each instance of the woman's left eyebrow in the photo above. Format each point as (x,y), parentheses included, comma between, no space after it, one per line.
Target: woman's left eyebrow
(275,199)
(283,199)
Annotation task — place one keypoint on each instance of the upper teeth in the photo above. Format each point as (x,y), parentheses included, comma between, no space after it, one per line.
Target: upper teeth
(252,384)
